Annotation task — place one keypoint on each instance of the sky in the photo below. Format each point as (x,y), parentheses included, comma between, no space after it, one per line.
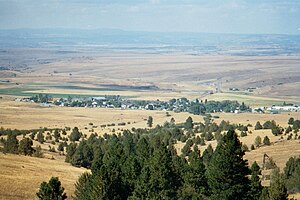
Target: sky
(210,16)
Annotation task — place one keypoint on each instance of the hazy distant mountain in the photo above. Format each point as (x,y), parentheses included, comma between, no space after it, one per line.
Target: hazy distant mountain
(153,42)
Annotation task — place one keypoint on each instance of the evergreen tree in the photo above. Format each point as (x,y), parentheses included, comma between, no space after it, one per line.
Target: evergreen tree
(257,141)
(292,175)
(83,187)
(264,194)
(288,129)
(227,171)
(157,179)
(256,187)
(109,176)
(51,190)
(207,154)
(258,126)
(150,121)
(195,182)
(25,147)
(189,123)
(277,190)
(61,147)
(38,152)
(266,140)
(71,149)
(75,134)
(291,121)
(40,137)
(11,144)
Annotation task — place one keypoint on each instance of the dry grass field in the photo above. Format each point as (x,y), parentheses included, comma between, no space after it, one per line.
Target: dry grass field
(172,75)
(276,79)
(23,115)
(28,172)
(21,176)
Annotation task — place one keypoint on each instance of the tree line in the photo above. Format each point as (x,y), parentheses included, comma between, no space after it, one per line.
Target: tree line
(145,165)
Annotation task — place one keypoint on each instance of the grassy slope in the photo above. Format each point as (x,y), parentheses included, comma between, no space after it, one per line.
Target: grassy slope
(21,175)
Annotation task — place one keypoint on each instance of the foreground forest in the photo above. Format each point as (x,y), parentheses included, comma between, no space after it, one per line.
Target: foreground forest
(144,164)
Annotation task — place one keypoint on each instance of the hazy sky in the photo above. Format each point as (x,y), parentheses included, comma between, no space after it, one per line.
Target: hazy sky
(217,16)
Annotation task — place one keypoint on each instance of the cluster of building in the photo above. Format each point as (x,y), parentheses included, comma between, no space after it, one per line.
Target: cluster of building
(276,109)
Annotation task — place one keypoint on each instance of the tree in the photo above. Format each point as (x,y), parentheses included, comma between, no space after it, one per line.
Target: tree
(11,144)
(243,107)
(292,175)
(195,182)
(186,150)
(189,123)
(209,136)
(38,152)
(51,190)
(207,154)
(276,130)
(83,187)
(227,171)
(61,147)
(150,121)
(266,140)
(296,125)
(243,134)
(157,179)
(256,187)
(288,129)
(264,194)
(172,121)
(245,148)
(25,146)
(257,141)
(269,124)
(291,121)
(40,137)
(83,155)
(71,149)
(258,126)
(277,190)
(75,135)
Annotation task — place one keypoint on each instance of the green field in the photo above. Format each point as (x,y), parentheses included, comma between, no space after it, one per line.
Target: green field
(30,92)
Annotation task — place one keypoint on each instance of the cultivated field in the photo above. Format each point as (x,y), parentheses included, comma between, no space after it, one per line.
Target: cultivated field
(154,76)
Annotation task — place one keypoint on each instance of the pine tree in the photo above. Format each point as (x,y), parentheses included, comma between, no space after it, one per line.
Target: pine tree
(52,190)
(189,123)
(277,190)
(150,121)
(75,134)
(256,187)
(25,147)
(157,179)
(257,141)
(40,137)
(11,144)
(266,141)
(207,154)
(227,171)
(83,187)
(258,126)
(195,182)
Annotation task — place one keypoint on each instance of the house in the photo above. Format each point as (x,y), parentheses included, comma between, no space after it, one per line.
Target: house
(46,105)
(98,99)
(149,107)
(293,108)
(234,89)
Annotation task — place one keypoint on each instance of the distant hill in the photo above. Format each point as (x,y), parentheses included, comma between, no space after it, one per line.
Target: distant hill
(154,42)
